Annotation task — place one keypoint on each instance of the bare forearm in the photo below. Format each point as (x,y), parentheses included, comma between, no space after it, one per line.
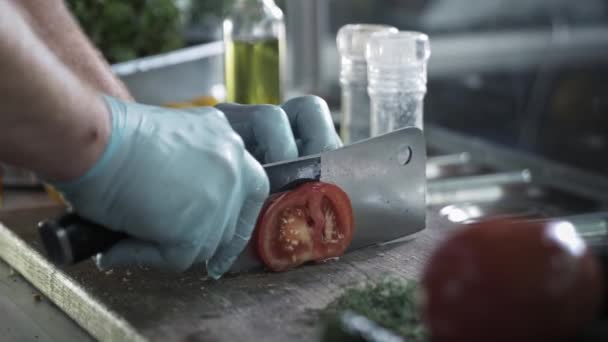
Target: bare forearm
(50,121)
(53,23)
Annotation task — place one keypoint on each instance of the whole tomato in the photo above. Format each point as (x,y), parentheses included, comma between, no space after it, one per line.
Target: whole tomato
(507,280)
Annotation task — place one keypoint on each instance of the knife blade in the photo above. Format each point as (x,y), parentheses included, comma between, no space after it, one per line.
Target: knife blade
(384,177)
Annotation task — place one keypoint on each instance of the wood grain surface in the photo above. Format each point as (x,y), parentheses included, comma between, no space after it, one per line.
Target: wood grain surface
(138,304)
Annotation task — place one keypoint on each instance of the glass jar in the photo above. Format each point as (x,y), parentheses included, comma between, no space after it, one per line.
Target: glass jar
(397,75)
(352,41)
(254,36)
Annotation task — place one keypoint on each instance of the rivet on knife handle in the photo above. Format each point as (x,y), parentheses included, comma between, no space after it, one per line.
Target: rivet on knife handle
(72,239)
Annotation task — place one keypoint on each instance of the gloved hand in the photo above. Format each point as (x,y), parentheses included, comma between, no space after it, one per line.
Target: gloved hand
(300,127)
(181,183)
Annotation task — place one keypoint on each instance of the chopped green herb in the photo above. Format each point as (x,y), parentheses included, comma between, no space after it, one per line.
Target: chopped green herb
(391,303)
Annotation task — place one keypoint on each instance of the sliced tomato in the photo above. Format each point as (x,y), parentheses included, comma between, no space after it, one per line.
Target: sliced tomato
(313,222)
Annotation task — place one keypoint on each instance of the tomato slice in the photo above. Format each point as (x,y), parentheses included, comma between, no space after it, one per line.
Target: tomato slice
(313,222)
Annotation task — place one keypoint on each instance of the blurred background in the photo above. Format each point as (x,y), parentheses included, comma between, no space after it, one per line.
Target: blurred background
(528,74)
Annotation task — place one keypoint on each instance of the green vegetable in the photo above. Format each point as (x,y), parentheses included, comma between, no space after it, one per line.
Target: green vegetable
(391,303)
(128,29)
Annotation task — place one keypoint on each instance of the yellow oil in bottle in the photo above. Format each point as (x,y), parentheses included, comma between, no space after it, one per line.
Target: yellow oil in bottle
(253,72)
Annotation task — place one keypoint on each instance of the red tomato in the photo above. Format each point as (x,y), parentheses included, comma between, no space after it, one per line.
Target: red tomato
(313,222)
(511,281)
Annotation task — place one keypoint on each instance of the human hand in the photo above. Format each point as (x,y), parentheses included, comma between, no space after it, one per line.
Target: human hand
(300,127)
(180,183)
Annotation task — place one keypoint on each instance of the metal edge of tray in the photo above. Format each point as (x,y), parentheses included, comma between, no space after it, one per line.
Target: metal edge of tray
(545,172)
(176,57)
(65,292)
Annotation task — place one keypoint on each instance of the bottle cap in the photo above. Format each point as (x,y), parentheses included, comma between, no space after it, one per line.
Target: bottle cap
(353,38)
(400,49)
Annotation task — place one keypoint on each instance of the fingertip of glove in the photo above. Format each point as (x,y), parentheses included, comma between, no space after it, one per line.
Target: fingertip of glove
(216,268)
(304,100)
(102,263)
(337,142)
(282,152)
(215,276)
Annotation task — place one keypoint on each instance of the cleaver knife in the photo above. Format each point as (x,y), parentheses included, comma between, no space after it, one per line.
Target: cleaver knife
(383,176)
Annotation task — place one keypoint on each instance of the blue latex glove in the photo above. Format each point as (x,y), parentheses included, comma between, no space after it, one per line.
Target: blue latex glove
(300,127)
(181,183)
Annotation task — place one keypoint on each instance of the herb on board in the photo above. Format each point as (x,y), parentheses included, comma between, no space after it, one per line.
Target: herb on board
(391,303)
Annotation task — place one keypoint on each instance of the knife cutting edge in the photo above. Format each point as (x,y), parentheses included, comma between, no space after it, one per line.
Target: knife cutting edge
(383,176)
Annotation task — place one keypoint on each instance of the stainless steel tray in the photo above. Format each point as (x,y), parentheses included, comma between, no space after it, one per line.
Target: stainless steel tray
(180,75)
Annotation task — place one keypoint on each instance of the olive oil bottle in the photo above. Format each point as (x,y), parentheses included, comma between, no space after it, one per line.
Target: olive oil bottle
(254,35)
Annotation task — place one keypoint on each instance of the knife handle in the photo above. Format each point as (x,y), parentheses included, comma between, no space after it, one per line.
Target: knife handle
(71,239)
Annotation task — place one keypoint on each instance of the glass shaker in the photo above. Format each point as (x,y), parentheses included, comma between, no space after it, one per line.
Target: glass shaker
(352,41)
(254,37)
(397,75)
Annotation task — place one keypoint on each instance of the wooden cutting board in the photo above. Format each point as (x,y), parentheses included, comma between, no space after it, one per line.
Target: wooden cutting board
(139,305)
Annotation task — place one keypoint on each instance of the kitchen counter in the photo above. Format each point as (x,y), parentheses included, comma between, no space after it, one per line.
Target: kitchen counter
(138,304)
(26,314)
